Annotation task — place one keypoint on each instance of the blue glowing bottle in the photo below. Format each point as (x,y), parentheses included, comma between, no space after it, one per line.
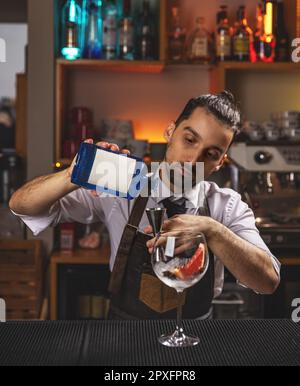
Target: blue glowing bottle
(92,29)
(71,30)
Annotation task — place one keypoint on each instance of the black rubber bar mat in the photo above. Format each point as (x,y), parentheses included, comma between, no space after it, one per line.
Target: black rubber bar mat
(134,343)
(41,343)
(261,342)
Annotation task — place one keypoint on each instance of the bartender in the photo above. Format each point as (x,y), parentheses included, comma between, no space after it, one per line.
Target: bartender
(203,133)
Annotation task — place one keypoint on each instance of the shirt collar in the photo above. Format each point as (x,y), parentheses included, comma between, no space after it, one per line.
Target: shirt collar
(195,196)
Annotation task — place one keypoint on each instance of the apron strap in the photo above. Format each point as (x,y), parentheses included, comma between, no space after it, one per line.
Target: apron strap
(137,211)
(125,245)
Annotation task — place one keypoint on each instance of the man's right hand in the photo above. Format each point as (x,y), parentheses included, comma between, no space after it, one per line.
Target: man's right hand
(105,145)
(37,196)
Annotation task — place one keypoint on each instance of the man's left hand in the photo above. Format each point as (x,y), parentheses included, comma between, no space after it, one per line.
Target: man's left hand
(184,224)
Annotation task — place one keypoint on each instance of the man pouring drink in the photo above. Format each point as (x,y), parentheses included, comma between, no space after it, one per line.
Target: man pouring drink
(203,133)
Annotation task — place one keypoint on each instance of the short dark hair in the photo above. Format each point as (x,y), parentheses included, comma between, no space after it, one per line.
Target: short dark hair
(223,106)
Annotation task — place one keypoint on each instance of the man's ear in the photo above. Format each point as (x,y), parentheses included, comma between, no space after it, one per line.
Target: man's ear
(169,131)
(221,163)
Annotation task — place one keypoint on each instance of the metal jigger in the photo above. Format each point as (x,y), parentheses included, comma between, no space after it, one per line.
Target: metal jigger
(156,217)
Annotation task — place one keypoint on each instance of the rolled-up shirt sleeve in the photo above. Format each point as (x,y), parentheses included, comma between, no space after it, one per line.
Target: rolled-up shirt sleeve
(78,206)
(240,219)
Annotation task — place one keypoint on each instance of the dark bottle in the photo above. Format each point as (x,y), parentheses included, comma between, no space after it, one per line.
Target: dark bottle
(223,36)
(14,175)
(146,39)
(259,32)
(282,49)
(10,176)
(177,37)
(242,37)
(126,31)
(110,26)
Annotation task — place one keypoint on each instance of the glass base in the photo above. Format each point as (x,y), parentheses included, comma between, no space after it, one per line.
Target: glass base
(178,339)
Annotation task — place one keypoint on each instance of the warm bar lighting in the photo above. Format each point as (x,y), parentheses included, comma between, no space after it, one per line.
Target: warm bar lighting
(269,19)
(150,131)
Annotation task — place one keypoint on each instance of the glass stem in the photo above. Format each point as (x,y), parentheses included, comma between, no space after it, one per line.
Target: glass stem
(179,314)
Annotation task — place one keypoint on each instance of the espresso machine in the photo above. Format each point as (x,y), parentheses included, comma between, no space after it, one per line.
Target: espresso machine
(268,178)
(267,175)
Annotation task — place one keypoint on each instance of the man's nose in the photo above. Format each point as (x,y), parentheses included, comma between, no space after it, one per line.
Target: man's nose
(196,157)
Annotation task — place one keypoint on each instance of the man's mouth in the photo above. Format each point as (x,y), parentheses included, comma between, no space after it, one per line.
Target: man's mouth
(182,174)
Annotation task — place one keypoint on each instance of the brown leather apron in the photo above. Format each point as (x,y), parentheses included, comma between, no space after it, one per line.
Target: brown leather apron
(136,292)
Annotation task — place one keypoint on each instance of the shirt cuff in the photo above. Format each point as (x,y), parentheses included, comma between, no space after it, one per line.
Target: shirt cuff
(38,224)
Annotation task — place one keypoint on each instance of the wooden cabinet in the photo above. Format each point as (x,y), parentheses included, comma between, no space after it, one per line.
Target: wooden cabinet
(221,73)
(79,257)
(21,278)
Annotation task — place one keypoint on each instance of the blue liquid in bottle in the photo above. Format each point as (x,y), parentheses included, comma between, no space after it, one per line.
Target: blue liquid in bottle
(93,30)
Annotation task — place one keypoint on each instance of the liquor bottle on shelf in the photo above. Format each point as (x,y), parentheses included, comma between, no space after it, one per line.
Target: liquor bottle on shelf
(67,236)
(110,25)
(223,36)
(71,47)
(93,29)
(177,37)
(11,175)
(126,32)
(267,53)
(282,50)
(243,38)
(199,48)
(81,124)
(259,32)
(145,36)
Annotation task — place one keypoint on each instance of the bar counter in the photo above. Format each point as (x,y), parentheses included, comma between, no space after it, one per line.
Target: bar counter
(134,343)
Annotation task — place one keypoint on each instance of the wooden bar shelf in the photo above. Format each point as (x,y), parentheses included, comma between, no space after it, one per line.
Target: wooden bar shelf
(219,73)
(148,67)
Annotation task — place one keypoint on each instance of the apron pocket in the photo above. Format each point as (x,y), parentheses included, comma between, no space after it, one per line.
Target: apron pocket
(157,296)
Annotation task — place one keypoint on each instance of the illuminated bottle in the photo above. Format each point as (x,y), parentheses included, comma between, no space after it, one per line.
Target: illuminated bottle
(269,44)
(93,29)
(71,30)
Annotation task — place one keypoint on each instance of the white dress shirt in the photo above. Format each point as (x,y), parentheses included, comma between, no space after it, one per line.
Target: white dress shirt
(225,206)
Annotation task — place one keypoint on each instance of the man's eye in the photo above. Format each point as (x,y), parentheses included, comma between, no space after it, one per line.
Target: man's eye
(215,155)
(189,140)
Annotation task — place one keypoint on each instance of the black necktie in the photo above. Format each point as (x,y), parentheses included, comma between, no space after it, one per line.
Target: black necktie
(175,207)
